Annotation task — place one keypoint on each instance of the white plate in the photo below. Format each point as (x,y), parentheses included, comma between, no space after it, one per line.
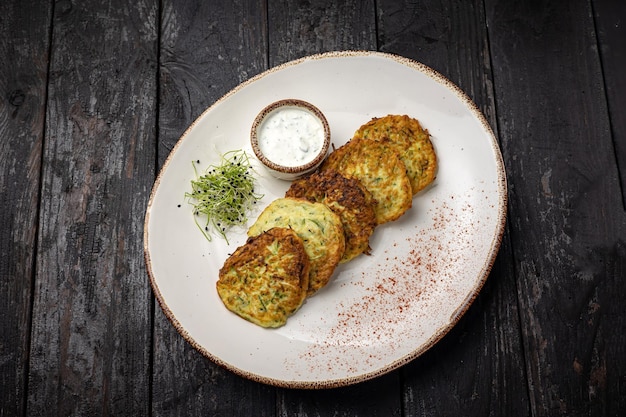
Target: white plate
(379,311)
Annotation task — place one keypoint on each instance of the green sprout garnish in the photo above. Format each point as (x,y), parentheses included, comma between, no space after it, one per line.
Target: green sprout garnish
(223,195)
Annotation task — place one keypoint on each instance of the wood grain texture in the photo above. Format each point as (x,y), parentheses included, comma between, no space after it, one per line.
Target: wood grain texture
(297,29)
(566,213)
(24,48)
(90,348)
(611,33)
(447,35)
(207,48)
(469,372)
(380,397)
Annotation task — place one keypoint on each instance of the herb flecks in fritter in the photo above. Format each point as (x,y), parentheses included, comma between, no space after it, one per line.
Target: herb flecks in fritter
(381,172)
(319,228)
(266,280)
(348,199)
(406,136)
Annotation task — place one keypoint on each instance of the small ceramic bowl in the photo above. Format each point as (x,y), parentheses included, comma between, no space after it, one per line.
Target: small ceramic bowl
(291,138)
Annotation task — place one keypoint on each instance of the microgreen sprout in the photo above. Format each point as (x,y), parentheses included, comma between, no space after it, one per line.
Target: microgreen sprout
(224,194)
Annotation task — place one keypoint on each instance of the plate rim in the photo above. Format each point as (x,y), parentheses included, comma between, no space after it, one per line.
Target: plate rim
(494,247)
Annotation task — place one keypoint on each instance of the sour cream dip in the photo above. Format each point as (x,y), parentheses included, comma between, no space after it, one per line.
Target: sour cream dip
(291,136)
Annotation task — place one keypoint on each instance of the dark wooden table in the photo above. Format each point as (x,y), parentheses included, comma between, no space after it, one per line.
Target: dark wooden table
(93,96)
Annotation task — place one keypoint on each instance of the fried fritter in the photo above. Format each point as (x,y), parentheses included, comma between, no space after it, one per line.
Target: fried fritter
(266,279)
(381,172)
(319,228)
(410,140)
(349,199)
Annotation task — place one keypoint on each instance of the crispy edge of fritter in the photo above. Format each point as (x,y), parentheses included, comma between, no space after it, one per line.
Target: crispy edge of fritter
(349,199)
(289,271)
(410,140)
(322,268)
(364,160)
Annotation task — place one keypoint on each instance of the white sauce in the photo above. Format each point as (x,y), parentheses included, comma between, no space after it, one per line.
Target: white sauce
(291,136)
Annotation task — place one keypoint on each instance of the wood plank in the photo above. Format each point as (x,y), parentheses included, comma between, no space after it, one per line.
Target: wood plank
(378,397)
(611,31)
(207,48)
(24,46)
(472,370)
(90,351)
(610,20)
(296,30)
(566,213)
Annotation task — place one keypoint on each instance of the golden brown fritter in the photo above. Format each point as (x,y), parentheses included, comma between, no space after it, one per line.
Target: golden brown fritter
(381,172)
(266,279)
(410,140)
(319,228)
(348,199)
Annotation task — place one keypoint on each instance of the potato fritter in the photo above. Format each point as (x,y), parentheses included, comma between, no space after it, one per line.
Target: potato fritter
(381,172)
(349,199)
(319,228)
(410,140)
(266,279)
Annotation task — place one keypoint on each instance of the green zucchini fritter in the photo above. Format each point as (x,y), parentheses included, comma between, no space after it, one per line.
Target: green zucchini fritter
(381,172)
(266,280)
(319,228)
(410,140)
(348,199)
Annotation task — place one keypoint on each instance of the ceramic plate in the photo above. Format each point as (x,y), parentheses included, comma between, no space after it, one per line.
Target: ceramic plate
(379,311)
